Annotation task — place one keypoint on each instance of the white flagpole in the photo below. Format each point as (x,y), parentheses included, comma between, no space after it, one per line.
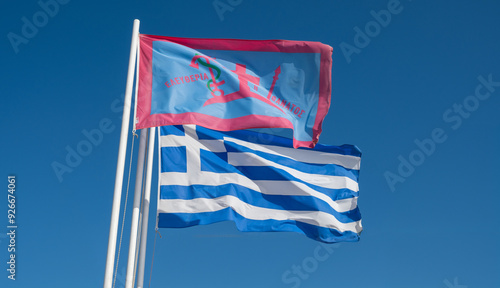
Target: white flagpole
(120,166)
(129,283)
(145,209)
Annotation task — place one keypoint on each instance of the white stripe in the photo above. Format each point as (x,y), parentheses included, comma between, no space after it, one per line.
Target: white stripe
(216,146)
(171,140)
(291,188)
(178,141)
(307,156)
(201,205)
(206,178)
(326,181)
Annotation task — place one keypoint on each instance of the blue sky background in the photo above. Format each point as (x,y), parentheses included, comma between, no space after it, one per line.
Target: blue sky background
(438,228)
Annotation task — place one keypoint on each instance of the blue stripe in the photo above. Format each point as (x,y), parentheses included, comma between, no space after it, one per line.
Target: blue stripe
(321,169)
(272,173)
(267,139)
(278,202)
(181,220)
(216,162)
(207,134)
(172,130)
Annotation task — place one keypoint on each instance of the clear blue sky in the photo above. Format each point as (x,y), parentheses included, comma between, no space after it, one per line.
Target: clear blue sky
(413,77)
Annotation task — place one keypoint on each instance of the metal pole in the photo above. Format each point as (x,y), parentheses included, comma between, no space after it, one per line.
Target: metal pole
(129,283)
(145,209)
(120,166)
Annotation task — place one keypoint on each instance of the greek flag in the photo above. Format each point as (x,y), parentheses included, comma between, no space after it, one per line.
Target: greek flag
(258,181)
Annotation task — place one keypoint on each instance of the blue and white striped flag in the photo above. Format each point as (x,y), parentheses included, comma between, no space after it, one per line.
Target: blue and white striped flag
(258,181)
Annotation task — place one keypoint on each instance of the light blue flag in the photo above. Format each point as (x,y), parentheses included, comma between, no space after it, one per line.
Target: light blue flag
(258,181)
(234,84)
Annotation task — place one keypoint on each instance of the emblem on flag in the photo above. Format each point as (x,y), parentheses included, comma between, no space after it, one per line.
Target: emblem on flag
(208,176)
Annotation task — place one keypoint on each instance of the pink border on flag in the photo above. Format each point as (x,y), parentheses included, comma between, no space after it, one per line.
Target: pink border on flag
(257,121)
